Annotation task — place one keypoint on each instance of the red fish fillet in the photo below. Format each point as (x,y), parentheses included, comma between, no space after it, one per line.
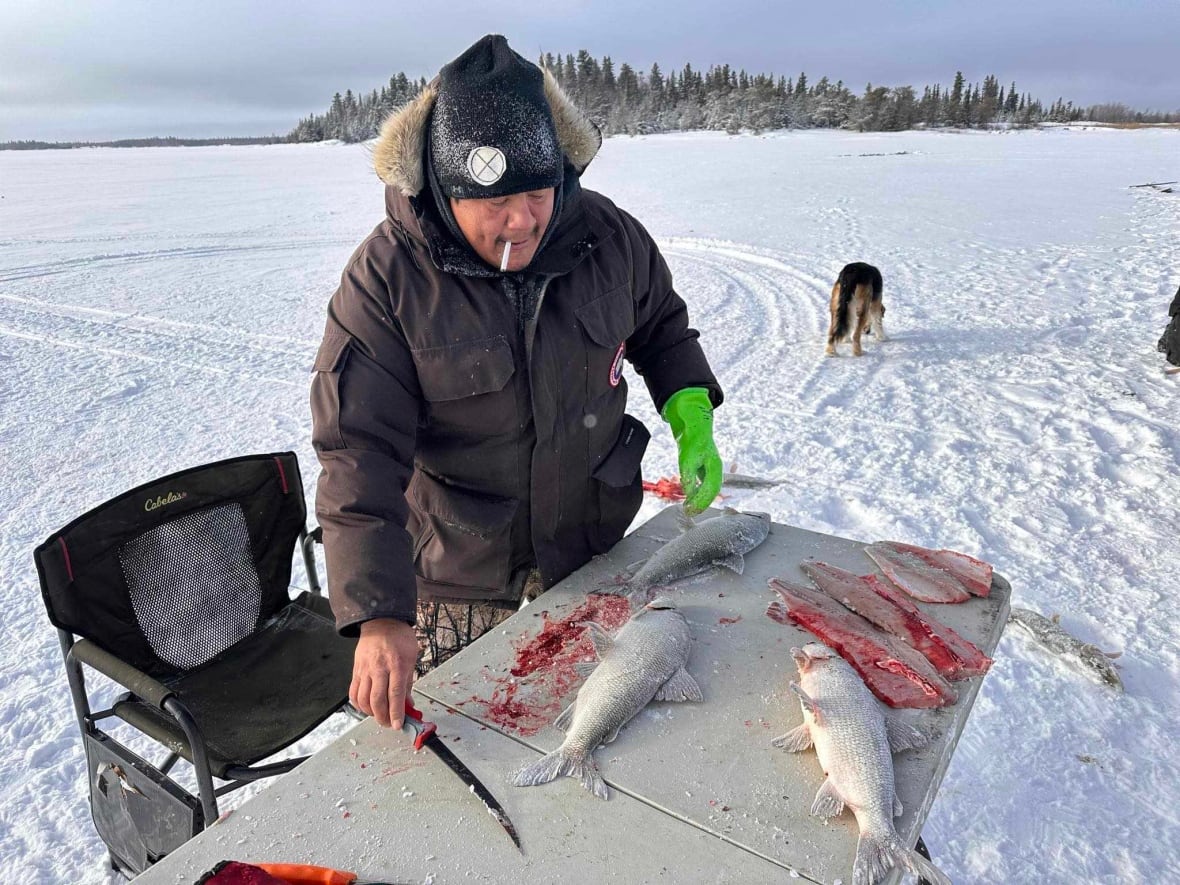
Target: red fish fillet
(893,671)
(974,575)
(972,661)
(952,655)
(934,572)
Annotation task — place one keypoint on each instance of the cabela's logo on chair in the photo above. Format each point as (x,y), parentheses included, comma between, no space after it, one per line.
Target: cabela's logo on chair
(164,500)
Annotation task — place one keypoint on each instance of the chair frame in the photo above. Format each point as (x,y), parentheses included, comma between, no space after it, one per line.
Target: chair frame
(78,651)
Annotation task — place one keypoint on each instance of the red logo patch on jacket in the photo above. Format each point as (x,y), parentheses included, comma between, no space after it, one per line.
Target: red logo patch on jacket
(616,366)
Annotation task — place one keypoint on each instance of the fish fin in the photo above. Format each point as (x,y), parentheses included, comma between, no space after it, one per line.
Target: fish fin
(731,511)
(778,612)
(585,668)
(556,764)
(684,521)
(897,806)
(1113,654)
(592,781)
(735,562)
(808,704)
(610,738)
(601,639)
(796,740)
(877,854)
(902,735)
(828,802)
(566,717)
(636,566)
(680,687)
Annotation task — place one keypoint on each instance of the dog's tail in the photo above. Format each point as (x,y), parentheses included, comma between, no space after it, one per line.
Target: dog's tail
(847,291)
(878,284)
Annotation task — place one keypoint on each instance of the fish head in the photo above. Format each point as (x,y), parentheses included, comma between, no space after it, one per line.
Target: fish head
(660,603)
(757,514)
(755,525)
(811,654)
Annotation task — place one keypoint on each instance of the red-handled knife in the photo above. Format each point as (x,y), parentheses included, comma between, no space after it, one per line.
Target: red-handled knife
(425,735)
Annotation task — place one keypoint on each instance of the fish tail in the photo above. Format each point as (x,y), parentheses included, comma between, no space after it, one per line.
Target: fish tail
(557,764)
(877,854)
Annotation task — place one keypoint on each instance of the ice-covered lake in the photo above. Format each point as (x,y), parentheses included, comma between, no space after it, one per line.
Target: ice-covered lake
(160,308)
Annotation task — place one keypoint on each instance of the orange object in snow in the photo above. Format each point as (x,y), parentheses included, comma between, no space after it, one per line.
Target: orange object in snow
(307,874)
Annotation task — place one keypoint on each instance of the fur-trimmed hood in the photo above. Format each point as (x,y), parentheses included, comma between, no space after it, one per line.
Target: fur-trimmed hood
(400,148)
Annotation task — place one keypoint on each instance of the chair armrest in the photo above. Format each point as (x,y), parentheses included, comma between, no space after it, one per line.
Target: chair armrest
(307,542)
(136,681)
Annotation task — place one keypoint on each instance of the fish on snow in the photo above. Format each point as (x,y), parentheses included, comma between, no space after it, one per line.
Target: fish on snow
(1049,632)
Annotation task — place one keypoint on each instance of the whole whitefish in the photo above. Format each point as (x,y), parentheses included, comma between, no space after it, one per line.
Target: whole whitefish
(643,662)
(854,738)
(719,540)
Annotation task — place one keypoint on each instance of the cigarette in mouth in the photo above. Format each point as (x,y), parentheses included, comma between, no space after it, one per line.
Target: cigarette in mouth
(504,259)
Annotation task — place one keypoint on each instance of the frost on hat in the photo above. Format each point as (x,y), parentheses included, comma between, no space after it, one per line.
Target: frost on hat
(491,131)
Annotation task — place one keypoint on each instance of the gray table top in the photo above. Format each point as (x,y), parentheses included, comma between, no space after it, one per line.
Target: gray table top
(698,792)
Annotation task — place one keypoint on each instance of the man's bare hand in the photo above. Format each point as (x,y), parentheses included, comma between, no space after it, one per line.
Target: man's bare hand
(383,670)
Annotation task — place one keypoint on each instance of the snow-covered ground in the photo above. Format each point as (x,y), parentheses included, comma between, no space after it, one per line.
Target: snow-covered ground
(160,308)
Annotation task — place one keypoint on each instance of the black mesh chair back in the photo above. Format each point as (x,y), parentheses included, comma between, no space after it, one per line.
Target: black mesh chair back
(171,573)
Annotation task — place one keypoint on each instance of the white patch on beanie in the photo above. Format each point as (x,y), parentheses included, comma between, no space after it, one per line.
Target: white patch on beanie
(486,165)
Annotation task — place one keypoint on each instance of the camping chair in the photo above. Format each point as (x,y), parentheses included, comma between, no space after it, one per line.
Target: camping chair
(178,590)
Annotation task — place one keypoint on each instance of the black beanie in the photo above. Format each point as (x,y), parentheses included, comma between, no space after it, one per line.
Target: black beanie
(491,131)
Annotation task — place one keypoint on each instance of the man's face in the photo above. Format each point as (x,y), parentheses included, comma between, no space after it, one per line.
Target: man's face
(490,223)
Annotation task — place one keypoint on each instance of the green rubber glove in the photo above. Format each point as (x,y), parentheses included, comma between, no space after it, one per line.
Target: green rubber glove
(690,415)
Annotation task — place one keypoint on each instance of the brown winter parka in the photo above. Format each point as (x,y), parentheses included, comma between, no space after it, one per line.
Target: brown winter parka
(459,444)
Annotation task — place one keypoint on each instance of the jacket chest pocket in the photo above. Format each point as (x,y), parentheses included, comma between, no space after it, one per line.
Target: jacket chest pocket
(466,386)
(607,322)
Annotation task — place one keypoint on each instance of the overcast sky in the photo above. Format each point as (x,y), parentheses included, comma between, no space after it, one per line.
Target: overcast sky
(126,68)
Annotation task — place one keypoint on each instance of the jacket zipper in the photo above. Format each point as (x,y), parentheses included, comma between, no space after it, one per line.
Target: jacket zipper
(529,333)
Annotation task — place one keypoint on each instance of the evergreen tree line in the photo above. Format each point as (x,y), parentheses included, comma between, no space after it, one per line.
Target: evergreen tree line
(724,99)
(167,141)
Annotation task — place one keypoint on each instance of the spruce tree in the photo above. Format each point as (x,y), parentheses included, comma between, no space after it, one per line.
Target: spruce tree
(955,101)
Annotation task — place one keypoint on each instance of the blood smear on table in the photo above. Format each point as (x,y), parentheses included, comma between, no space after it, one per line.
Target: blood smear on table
(543,672)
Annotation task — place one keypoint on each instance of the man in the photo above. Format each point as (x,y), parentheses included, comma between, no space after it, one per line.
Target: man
(468,399)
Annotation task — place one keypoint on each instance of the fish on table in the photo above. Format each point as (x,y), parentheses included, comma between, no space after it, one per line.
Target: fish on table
(644,661)
(854,738)
(716,541)
(953,656)
(932,575)
(896,673)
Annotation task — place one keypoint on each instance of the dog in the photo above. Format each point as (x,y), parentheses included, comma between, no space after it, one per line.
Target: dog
(856,306)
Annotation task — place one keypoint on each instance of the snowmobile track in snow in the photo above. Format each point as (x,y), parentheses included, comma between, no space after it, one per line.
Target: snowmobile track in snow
(145,339)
